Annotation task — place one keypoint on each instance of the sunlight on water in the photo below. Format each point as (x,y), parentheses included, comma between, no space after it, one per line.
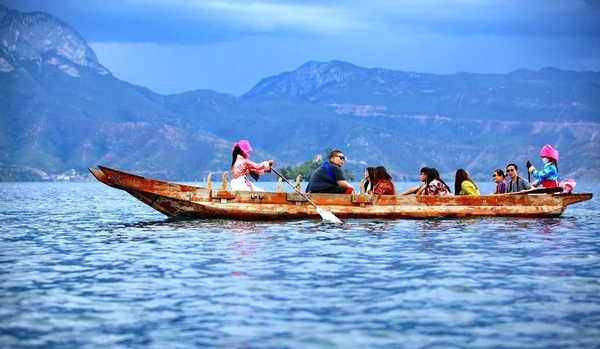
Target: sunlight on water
(82,264)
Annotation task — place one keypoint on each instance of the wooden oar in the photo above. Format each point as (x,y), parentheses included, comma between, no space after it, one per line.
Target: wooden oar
(326,215)
(528,165)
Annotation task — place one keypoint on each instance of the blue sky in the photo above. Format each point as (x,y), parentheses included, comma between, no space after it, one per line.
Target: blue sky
(173,46)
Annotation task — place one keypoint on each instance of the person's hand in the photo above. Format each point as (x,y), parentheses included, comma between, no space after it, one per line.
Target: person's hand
(531,169)
(270,163)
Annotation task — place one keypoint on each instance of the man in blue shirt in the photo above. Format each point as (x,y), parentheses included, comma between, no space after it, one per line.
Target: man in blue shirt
(328,178)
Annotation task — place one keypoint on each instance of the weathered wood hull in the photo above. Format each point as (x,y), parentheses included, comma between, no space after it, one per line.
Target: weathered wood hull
(180,200)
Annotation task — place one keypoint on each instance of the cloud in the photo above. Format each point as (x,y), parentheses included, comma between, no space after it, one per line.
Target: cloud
(206,22)
(269,16)
(537,18)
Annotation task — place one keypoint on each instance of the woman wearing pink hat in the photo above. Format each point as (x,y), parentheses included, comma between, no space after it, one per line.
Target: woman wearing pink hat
(548,177)
(241,167)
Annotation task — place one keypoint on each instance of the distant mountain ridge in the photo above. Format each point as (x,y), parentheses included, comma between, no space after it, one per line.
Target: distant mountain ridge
(40,37)
(549,94)
(61,109)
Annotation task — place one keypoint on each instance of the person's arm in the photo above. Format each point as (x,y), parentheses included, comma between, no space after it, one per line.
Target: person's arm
(344,184)
(411,191)
(421,190)
(259,169)
(548,171)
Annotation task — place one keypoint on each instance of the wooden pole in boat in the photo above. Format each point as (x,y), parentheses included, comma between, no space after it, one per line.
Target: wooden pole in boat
(326,215)
(528,165)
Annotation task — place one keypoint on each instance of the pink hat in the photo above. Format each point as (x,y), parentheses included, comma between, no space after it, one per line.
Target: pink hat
(549,152)
(244,147)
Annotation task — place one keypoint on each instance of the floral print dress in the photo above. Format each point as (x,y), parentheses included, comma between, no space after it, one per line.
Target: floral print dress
(241,171)
(436,187)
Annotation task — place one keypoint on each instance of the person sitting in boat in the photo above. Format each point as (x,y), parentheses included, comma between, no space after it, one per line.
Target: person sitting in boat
(435,185)
(383,182)
(242,167)
(464,185)
(548,176)
(423,177)
(328,178)
(500,180)
(517,183)
(369,179)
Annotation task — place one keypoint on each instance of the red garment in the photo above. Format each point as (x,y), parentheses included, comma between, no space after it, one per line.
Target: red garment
(549,184)
(384,187)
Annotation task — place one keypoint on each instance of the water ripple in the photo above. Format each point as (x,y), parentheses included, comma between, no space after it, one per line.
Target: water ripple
(83,265)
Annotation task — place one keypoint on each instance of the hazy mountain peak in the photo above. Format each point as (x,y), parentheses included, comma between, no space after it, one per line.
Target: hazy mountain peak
(307,79)
(33,35)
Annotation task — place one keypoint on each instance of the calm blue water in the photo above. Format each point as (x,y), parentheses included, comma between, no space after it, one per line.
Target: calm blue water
(85,265)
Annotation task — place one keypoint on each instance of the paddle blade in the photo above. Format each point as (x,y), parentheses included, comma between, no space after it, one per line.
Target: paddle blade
(328,216)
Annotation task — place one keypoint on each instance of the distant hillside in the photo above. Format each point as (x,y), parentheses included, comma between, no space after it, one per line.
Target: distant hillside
(475,121)
(60,109)
(549,94)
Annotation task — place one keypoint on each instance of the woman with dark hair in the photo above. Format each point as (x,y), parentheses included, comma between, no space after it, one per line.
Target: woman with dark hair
(463,185)
(383,182)
(241,167)
(500,179)
(435,185)
(369,179)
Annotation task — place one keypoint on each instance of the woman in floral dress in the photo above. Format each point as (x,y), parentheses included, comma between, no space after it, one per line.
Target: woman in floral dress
(242,168)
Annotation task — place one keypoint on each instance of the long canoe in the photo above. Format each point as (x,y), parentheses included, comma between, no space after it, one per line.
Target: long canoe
(180,200)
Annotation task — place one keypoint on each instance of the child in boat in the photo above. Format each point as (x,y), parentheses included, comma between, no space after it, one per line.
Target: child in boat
(501,184)
(241,167)
(464,185)
(383,182)
(435,185)
(548,176)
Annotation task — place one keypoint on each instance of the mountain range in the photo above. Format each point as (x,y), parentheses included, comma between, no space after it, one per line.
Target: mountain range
(61,109)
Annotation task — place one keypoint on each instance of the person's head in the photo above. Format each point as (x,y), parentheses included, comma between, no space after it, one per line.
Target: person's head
(370,176)
(423,174)
(498,175)
(432,174)
(549,154)
(242,148)
(337,157)
(461,176)
(512,170)
(381,173)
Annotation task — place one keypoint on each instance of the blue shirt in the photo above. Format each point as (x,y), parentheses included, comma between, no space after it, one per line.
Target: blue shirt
(549,173)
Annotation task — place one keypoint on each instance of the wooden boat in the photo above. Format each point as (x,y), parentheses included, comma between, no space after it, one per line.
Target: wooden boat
(180,200)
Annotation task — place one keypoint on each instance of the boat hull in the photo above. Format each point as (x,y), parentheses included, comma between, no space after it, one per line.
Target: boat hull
(180,200)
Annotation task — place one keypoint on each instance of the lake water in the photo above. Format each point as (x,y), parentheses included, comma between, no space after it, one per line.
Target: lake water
(85,265)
